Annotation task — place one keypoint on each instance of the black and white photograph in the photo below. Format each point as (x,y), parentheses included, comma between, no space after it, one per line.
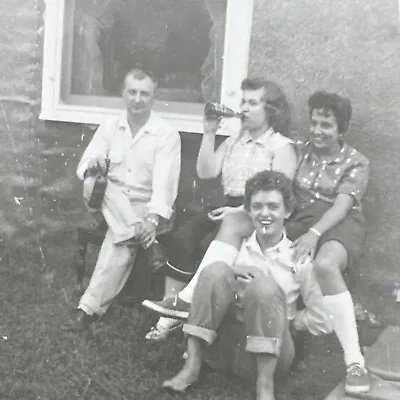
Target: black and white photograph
(200,200)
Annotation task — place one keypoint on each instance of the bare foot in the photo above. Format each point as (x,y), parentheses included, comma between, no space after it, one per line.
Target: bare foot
(268,395)
(265,392)
(184,379)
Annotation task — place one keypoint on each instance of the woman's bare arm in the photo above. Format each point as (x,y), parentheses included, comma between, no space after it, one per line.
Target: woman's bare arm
(285,160)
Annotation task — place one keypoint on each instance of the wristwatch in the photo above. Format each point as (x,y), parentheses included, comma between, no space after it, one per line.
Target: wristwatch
(153,220)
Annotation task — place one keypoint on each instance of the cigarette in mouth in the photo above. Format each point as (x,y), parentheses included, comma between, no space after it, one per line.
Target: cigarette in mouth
(264,229)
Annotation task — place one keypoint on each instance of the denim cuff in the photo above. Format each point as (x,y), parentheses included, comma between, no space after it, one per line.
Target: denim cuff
(262,344)
(203,333)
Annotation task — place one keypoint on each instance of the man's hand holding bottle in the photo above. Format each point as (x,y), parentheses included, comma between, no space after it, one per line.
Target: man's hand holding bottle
(96,167)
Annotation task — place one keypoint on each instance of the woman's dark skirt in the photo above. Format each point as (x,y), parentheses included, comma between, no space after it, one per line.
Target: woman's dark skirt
(350,232)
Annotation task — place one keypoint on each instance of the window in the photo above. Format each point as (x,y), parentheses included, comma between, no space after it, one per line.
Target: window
(189,44)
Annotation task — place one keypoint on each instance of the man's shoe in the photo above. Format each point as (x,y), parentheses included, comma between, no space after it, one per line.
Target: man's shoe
(173,307)
(357,379)
(81,321)
(156,256)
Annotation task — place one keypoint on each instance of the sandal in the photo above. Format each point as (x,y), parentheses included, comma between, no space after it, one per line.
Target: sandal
(159,333)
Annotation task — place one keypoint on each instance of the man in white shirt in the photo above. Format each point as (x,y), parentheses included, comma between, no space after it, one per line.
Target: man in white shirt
(268,300)
(144,156)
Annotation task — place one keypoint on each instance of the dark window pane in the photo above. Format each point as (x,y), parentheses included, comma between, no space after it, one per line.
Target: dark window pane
(181,41)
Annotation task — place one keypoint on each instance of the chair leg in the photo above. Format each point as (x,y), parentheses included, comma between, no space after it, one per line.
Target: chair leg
(81,263)
(300,345)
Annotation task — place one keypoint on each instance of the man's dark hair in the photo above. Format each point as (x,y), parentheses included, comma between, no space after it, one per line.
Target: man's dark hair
(139,72)
(276,104)
(334,103)
(268,181)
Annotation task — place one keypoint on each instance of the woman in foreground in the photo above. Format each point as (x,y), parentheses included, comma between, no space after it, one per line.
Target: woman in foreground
(271,281)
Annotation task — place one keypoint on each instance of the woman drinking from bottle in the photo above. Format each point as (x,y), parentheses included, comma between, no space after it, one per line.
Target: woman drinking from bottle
(260,144)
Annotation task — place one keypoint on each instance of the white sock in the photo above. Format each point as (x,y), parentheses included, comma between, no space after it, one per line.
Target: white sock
(217,251)
(341,311)
(167,323)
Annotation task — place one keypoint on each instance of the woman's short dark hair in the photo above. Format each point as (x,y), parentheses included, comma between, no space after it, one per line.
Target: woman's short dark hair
(276,104)
(270,180)
(339,105)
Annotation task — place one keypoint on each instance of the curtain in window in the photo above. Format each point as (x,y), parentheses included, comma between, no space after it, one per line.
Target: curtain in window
(92,17)
(212,66)
(182,41)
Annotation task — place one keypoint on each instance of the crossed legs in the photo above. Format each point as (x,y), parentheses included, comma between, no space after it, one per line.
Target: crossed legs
(114,264)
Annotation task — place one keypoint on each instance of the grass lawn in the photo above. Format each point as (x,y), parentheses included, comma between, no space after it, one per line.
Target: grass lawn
(39,360)
(40,209)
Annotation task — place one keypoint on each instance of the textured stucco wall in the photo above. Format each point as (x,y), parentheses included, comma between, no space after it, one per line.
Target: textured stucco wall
(352,47)
(20,164)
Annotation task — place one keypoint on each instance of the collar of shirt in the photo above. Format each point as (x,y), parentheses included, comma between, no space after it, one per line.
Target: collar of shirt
(245,137)
(281,251)
(338,158)
(149,127)
(282,246)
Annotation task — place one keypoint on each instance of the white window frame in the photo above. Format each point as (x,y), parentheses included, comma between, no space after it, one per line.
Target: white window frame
(236,54)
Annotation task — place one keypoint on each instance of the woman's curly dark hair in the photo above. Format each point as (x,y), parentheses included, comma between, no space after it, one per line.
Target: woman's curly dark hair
(339,105)
(276,104)
(270,180)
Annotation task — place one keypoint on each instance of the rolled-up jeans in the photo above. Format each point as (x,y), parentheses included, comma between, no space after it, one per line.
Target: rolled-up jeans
(262,306)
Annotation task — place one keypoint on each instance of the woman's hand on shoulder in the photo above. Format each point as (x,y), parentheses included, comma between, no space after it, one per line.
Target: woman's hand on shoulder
(304,247)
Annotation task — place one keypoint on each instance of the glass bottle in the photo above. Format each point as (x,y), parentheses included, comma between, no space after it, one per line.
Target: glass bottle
(217,111)
(99,188)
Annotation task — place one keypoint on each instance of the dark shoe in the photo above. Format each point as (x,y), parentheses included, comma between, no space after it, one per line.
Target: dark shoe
(357,379)
(156,256)
(172,307)
(80,321)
